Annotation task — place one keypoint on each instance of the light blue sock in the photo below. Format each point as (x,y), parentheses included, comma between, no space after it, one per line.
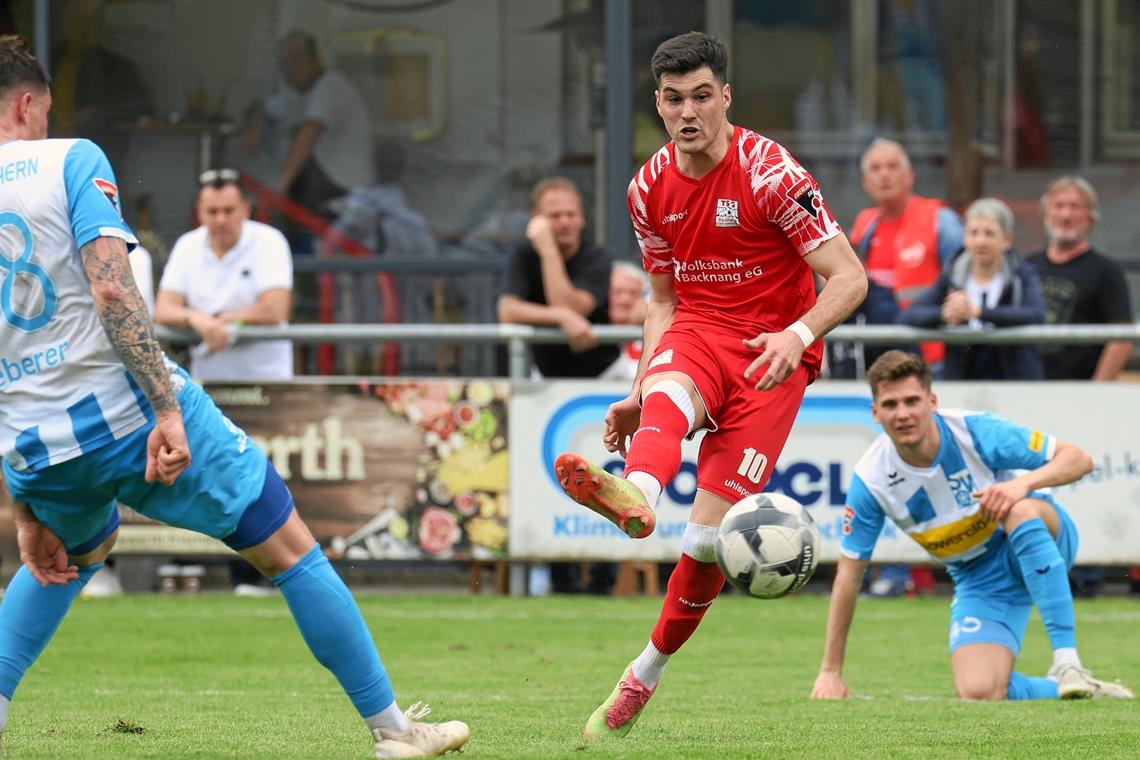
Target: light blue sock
(1047,579)
(1029,687)
(29,617)
(334,629)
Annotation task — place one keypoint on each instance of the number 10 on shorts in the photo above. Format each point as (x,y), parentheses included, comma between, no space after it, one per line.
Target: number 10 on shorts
(752,465)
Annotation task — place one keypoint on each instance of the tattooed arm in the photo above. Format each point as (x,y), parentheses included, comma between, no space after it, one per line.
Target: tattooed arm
(125,319)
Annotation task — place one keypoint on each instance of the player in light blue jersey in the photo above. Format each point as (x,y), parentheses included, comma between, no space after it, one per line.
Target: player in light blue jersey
(92,413)
(971,489)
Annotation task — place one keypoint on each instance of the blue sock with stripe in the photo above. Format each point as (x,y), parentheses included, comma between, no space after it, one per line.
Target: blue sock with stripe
(29,616)
(1046,577)
(1030,687)
(335,631)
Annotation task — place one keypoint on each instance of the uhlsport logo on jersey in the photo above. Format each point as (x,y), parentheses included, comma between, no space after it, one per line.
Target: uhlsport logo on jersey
(727,212)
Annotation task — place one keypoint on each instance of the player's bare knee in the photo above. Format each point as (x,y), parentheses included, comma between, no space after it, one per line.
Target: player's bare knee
(1020,512)
(1030,509)
(984,690)
(96,555)
(991,694)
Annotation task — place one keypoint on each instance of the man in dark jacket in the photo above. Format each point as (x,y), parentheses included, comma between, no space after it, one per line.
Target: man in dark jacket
(986,285)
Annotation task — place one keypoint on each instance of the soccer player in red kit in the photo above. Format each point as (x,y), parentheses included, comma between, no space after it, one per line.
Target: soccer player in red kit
(732,231)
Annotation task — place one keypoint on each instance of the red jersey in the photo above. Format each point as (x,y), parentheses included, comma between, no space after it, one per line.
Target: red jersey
(735,239)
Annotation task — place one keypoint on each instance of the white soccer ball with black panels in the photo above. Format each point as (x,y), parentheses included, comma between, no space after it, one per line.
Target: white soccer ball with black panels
(768,545)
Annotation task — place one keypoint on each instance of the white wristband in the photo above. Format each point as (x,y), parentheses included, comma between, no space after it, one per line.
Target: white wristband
(802,331)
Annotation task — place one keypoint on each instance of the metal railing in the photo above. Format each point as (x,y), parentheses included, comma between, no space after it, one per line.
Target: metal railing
(518,336)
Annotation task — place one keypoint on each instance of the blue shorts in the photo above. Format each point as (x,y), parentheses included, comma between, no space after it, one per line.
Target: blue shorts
(991,603)
(78,499)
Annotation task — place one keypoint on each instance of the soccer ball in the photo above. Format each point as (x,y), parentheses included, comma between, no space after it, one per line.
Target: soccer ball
(768,545)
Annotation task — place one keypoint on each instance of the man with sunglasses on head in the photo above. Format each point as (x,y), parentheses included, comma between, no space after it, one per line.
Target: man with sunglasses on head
(92,413)
(228,272)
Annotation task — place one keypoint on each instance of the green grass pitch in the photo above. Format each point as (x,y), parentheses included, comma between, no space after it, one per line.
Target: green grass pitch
(217,676)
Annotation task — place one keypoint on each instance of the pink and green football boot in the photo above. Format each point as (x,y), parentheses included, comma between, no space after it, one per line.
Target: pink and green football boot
(612,497)
(616,716)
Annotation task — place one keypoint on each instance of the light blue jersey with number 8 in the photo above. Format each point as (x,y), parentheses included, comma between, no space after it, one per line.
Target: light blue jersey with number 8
(63,390)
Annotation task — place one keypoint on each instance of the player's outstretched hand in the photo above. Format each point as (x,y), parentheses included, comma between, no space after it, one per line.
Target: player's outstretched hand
(996,500)
(622,420)
(44,554)
(167,450)
(829,686)
(781,352)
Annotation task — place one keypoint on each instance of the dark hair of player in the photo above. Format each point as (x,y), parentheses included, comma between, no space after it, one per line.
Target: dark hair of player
(688,52)
(18,66)
(897,365)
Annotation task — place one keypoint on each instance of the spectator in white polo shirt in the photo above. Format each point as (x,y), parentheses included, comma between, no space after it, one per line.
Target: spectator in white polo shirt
(229,271)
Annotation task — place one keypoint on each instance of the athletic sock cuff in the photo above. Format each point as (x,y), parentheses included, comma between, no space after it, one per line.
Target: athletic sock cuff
(676,393)
(699,542)
(311,558)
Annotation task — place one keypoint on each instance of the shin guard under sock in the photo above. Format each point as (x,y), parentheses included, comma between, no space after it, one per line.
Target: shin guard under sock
(1043,570)
(29,617)
(692,589)
(332,626)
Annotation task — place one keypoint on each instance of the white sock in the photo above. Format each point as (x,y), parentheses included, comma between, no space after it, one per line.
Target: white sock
(648,485)
(3,712)
(650,665)
(1066,656)
(699,542)
(390,720)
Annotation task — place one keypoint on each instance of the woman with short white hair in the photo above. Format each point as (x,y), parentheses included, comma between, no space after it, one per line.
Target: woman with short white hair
(986,285)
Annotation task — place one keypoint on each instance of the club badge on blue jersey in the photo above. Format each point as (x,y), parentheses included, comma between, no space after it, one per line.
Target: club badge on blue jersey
(110,192)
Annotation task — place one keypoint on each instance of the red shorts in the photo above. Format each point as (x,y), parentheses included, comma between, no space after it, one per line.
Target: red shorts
(746,428)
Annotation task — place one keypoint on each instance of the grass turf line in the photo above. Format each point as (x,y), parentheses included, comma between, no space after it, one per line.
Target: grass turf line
(217,676)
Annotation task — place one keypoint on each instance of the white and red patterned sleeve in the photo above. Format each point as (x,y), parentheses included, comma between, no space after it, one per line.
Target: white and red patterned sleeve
(789,197)
(656,252)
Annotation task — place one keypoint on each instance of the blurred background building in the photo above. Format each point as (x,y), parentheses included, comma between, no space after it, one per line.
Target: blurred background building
(472,101)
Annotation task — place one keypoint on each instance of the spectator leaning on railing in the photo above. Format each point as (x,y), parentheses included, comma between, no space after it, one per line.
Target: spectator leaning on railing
(1080,285)
(558,279)
(986,285)
(904,240)
(229,271)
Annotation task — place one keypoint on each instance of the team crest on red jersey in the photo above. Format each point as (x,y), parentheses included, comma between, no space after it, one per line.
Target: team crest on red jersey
(727,212)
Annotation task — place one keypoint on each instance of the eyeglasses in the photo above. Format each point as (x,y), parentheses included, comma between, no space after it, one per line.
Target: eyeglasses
(219,178)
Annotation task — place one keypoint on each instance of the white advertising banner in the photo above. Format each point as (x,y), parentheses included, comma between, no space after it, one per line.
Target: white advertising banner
(833,428)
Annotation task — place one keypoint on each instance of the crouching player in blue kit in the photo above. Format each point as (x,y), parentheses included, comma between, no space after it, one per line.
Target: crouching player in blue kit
(967,487)
(92,413)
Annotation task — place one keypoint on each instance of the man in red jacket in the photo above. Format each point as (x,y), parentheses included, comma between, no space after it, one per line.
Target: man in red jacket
(903,239)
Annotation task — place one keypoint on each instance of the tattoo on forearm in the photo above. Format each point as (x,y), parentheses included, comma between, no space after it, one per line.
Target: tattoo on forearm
(125,318)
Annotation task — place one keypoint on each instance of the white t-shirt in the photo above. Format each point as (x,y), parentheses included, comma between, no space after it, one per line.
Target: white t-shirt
(344,151)
(260,261)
